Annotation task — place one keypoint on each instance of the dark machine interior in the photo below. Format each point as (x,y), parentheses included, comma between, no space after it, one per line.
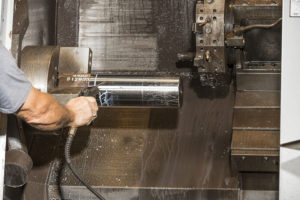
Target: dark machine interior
(222,143)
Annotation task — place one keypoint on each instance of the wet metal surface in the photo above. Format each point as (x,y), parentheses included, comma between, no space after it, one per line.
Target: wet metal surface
(161,154)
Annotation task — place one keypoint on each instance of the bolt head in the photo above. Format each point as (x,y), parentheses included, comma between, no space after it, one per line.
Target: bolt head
(266,158)
(208,30)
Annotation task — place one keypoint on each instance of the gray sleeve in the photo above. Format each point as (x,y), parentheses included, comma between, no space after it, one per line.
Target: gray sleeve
(14,87)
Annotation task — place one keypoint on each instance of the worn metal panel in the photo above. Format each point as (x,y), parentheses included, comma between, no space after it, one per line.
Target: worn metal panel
(258,81)
(261,66)
(74,60)
(150,194)
(136,35)
(255,150)
(260,181)
(67,21)
(263,3)
(254,162)
(255,140)
(120,33)
(256,119)
(261,195)
(263,45)
(257,10)
(41,30)
(257,99)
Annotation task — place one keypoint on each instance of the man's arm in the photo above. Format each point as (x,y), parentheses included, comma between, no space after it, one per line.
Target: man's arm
(39,109)
(42,111)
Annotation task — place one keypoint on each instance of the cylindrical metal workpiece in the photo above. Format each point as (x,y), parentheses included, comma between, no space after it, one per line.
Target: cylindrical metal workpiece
(126,91)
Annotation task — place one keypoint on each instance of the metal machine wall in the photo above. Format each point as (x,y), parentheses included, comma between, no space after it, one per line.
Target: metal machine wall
(144,153)
(184,152)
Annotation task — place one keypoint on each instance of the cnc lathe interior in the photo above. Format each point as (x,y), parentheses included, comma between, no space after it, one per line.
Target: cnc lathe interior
(188,95)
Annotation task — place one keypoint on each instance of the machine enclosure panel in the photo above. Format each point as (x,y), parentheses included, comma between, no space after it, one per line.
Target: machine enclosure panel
(290,93)
(290,105)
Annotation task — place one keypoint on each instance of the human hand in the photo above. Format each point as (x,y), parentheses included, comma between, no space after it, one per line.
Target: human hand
(83,110)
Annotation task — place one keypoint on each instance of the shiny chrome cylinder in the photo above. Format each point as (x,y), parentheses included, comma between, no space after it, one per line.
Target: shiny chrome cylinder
(144,92)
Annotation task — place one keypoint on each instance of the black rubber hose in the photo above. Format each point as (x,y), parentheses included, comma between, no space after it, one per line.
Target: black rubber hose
(68,160)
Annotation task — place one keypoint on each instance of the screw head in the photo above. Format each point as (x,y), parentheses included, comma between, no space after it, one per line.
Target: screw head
(208,30)
(266,158)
